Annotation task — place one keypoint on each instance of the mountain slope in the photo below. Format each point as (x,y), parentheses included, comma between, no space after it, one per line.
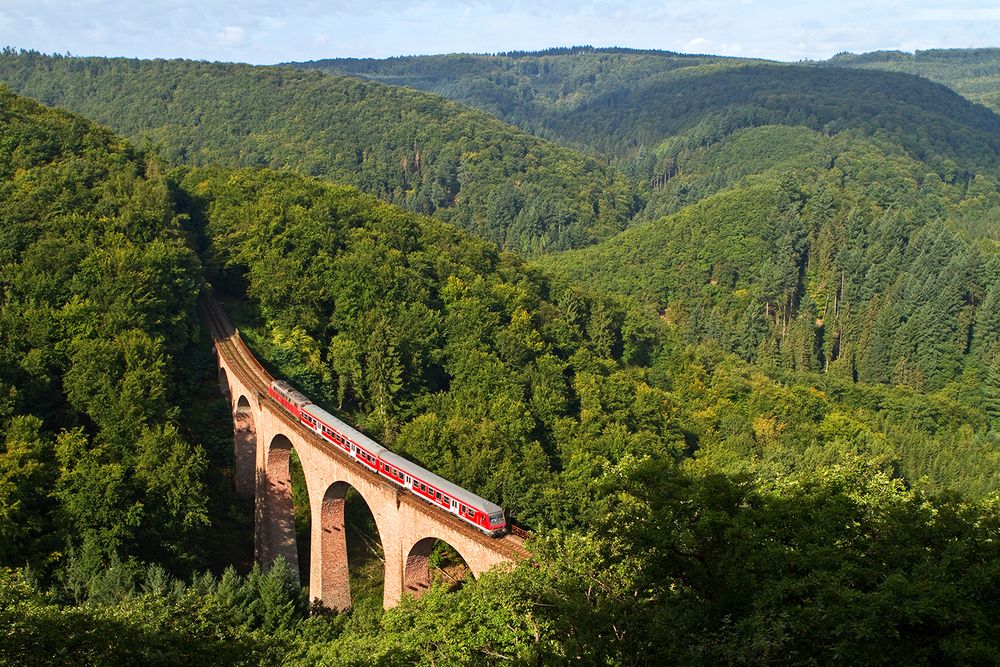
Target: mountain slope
(848,259)
(577,411)
(614,102)
(974,73)
(98,352)
(414,149)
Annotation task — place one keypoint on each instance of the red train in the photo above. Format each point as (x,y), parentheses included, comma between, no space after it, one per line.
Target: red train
(436,490)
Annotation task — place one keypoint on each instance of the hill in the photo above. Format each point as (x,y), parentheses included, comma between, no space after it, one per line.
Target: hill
(99,354)
(633,453)
(417,150)
(833,253)
(753,512)
(521,87)
(624,104)
(974,73)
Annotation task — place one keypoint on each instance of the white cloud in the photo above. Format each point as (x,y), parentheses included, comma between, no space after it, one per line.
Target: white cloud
(961,14)
(231,35)
(697,43)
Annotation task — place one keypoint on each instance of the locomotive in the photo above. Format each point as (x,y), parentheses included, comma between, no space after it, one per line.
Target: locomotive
(427,486)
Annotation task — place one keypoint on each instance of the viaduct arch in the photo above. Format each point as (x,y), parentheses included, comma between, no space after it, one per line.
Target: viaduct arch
(264,436)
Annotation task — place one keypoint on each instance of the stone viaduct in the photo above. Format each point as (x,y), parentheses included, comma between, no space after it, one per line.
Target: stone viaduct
(264,437)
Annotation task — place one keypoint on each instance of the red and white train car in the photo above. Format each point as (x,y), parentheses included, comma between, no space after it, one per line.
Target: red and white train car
(484,515)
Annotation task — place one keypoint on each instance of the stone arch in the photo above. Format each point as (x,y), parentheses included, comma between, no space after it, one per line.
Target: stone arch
(244,448)
(278,518)
(335,584)
(417,570)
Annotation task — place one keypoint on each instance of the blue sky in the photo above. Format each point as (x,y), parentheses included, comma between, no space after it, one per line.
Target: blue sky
(269,31)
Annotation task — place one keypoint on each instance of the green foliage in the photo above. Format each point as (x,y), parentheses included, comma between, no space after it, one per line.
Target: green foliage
(26,474)
(622,103)
(97,296)
(152,620)
(475,366)
(843,566)
(975,73)
(690,508)
(840,266)
(413,149)
(437,343)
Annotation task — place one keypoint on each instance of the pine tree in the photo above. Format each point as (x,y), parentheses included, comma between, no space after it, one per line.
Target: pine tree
(991,393)
(383,375)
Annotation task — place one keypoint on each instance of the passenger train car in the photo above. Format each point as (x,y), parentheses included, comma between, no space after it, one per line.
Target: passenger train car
(438,491)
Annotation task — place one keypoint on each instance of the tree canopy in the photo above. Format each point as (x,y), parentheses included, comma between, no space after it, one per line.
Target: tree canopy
(419,151)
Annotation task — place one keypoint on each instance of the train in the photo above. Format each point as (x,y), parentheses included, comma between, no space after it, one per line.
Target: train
(424,484)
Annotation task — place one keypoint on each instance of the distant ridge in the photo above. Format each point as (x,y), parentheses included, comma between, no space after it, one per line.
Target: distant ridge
(410,148)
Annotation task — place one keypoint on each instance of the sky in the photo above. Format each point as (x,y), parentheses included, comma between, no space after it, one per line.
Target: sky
(272,31)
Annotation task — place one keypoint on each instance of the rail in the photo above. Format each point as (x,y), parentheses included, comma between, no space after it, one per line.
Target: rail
(230,345)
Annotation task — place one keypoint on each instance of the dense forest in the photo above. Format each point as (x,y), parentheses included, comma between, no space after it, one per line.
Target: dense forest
(99,288)
(759,426)
(638,458)
(623,104)
(817,218)
(860,265)
(416,150)
(975,73)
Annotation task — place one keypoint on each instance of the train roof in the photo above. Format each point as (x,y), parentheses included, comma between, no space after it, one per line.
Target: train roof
(297,397)
(346,429)
(453,490)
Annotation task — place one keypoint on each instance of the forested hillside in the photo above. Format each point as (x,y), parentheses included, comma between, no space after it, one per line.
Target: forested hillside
(975,73)
(804,217)
(579,413)
(758,426)
(98,338)
(624,104)
(416,150)
(521,87)
(844,258)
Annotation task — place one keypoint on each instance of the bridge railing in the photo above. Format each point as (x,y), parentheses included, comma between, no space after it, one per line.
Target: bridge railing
(518,531)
